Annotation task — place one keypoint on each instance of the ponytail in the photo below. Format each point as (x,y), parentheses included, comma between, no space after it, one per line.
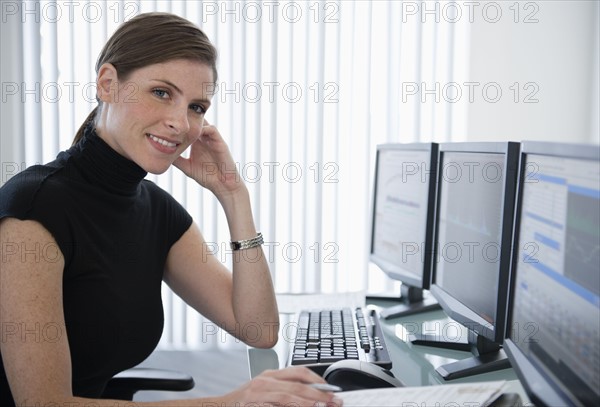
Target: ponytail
(90,119)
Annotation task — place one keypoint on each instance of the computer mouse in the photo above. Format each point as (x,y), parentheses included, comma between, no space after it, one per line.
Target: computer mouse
(353,374)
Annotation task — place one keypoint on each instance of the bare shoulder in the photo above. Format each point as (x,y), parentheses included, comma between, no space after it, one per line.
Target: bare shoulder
(28,250)
(13,226)
(29,241)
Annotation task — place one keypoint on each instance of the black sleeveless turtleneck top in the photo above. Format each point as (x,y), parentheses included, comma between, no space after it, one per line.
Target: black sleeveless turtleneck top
(115,230)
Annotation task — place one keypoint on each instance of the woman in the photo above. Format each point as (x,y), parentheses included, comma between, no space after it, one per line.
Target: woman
(87,241)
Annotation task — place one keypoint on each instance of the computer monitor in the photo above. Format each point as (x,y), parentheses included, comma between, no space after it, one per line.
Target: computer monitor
(403,204)
(471,265)
(553,340)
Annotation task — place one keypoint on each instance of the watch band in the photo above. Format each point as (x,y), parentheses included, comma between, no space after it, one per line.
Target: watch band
(248,243)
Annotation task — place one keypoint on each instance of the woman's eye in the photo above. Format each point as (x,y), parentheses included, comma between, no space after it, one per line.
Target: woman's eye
(198,109)
(161,93)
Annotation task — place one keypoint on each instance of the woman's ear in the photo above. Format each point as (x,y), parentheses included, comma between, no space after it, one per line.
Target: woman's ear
(107,83)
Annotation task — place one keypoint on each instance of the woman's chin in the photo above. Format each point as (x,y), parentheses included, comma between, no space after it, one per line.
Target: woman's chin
(157,168)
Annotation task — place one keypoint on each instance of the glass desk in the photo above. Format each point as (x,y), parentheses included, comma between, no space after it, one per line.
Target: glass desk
(413,364)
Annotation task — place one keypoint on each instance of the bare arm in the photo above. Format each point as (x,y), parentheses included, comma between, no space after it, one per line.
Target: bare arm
(31,298)
(242,302)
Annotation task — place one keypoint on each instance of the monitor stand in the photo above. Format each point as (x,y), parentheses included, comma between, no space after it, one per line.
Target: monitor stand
(488,355)
(411,302)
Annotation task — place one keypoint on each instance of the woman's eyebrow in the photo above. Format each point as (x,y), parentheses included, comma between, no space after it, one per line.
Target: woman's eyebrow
(171,84)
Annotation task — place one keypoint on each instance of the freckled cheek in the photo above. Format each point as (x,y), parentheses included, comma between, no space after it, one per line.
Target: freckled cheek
(143,107)
(195,127)
(138,113)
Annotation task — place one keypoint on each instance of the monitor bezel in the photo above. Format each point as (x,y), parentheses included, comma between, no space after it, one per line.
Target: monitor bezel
(541,387)
(452,306)
(392,270)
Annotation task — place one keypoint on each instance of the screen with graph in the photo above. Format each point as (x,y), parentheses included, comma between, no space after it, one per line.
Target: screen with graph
(469,229)
(473,227)
(556,303)
(401,210)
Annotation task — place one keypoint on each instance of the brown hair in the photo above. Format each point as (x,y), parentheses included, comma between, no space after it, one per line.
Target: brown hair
(152,38)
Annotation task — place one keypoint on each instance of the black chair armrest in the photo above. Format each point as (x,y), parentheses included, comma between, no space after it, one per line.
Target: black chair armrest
(125,384)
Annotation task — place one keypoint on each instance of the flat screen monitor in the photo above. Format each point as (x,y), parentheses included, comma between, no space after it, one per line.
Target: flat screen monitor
(554,314)
(403,204)
(473,235)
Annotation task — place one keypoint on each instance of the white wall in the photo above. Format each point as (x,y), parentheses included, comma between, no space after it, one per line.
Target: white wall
(11,112)
(557,57)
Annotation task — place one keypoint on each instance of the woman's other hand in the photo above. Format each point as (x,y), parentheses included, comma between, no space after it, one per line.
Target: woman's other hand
(285,387)
(210,163)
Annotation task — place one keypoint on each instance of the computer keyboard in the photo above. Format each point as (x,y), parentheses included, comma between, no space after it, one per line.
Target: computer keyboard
(326,336)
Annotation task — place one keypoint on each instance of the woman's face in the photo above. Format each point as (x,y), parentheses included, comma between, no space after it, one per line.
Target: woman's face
(156,113)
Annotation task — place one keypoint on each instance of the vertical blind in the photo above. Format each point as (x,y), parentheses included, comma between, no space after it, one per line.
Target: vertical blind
(306,91)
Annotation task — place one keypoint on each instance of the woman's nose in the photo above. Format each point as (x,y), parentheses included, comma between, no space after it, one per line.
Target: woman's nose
(178,120)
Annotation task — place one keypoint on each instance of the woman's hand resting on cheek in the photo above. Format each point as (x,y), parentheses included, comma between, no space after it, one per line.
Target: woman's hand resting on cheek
(210,163)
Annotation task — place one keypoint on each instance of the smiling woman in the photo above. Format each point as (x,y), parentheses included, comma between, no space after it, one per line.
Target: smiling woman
(170,100)
(129,49)
(117,236)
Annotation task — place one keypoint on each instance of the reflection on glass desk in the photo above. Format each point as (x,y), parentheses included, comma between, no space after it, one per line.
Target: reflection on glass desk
(413,364)
(416,364)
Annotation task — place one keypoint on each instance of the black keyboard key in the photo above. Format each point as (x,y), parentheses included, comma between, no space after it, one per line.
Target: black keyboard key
(331,359)
(304,361)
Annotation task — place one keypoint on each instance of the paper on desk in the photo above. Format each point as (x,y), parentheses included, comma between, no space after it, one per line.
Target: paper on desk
(455,395)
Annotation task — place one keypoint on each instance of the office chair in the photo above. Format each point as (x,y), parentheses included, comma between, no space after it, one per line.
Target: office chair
(125,384)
